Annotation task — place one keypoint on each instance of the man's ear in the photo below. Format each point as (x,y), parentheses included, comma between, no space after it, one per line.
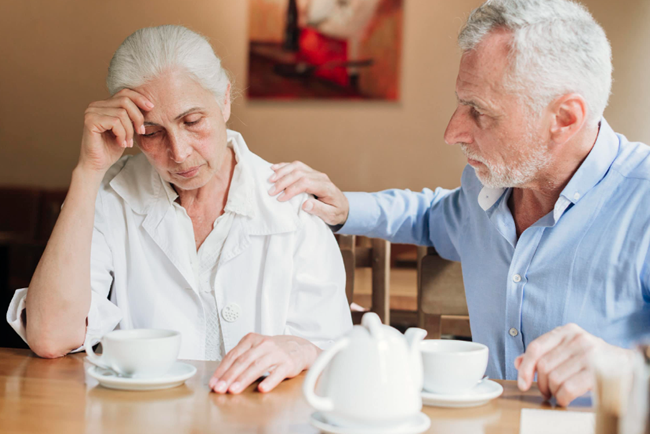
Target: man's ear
(226,105)
(569,114)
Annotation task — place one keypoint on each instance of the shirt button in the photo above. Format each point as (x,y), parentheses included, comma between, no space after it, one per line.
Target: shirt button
(513,332)
(576,196)
(231,312)
(516,278)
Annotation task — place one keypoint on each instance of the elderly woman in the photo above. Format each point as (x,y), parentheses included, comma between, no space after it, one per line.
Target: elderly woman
(183,236)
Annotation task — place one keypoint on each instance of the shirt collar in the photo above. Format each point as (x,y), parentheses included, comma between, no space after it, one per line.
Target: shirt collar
(595,166)
(143,190)
(590,172)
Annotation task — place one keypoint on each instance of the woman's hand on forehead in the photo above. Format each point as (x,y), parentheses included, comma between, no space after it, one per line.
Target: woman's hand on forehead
(110,126)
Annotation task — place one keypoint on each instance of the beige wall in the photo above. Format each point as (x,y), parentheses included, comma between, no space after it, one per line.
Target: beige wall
(54,55)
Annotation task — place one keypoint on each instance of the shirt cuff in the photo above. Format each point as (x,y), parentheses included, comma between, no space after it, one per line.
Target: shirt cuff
(15,313)
(363,214)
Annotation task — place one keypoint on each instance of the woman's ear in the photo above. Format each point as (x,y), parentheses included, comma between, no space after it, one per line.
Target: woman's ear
(226,105)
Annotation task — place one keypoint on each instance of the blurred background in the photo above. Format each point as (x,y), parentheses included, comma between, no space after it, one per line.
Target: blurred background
(54,56)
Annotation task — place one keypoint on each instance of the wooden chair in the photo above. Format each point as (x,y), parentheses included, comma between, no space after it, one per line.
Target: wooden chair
(373,253)
(442,307)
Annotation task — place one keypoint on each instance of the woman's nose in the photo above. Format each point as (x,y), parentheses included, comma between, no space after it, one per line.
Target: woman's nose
(179,150)
(458,129)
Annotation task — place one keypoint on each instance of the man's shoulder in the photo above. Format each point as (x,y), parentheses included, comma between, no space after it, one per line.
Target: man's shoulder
(633,160)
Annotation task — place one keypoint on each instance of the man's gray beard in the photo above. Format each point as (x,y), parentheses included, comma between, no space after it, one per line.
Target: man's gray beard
(506,177)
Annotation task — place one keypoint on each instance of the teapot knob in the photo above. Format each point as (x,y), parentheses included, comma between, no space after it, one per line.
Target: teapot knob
(373,324)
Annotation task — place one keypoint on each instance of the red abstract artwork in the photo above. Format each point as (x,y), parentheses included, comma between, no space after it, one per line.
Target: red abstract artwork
(336,49)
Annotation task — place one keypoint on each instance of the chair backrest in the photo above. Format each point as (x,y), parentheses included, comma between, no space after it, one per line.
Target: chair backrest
(20,210)
(442,307)
(375,254)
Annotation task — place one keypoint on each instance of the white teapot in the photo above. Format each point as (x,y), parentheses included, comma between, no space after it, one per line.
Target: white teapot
(373,376)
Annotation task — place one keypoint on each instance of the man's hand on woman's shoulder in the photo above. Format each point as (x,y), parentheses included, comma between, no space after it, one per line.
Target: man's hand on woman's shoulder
(291,179)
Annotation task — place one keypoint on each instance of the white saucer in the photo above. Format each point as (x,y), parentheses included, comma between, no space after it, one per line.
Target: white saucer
(419,424)
(175,377)
(479,395)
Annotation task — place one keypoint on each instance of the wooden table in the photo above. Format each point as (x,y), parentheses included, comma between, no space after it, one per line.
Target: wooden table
(57,396)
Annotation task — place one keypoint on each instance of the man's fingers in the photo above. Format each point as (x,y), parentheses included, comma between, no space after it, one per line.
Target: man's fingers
(579,384)
(535,351)
(562,356)
(277,166)
(320,209)
(565,372)
(283,169)
(518,360)
(285,181)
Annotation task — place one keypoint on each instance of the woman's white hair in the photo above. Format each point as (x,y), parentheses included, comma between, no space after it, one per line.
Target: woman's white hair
(150,52)
(557,48)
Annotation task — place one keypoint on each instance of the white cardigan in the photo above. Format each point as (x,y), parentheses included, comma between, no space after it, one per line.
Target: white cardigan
(280,270)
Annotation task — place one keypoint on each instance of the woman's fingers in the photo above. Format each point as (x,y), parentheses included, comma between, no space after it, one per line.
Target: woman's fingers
(216,383)
(120,114)
(137,98)
(254,371)
(276,377)
(126,100)
(238,366)
(101,123)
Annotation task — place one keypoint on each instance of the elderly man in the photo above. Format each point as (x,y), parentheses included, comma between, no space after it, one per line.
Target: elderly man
(550,222)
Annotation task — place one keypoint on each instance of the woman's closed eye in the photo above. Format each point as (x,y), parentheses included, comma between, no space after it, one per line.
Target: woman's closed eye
(191,122)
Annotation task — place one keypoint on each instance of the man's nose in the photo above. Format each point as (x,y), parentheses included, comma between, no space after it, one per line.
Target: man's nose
(179,150)
(458,129)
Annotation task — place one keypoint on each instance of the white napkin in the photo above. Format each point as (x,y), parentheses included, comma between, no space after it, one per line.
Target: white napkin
(556,422)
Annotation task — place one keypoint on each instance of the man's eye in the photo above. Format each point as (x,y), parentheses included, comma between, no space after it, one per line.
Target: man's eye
(151,134)
(193,122)
(475,113)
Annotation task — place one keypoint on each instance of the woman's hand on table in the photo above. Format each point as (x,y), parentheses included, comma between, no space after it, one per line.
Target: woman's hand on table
(282,356)
(291,179)
(563,361)
(110,126)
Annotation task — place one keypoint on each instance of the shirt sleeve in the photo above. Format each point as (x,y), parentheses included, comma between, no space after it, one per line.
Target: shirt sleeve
(645,279)
(103,316)
(318,310)
(403,216)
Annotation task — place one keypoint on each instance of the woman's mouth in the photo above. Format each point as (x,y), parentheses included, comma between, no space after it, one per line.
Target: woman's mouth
(189,173)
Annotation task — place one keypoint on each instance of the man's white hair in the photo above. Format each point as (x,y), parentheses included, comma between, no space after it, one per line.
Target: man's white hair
(150,52)
(557,48)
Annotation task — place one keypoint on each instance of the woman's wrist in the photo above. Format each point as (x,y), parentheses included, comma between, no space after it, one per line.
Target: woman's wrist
(87,176)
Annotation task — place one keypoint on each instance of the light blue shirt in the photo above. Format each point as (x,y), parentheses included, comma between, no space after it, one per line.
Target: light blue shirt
(586,262)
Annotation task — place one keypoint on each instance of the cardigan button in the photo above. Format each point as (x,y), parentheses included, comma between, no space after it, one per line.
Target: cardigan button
(231,312)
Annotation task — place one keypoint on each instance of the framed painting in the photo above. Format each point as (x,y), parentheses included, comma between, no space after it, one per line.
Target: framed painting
(324,49)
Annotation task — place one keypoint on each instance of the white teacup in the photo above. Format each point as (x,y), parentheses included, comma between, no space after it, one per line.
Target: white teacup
(452,367)
(142,353)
